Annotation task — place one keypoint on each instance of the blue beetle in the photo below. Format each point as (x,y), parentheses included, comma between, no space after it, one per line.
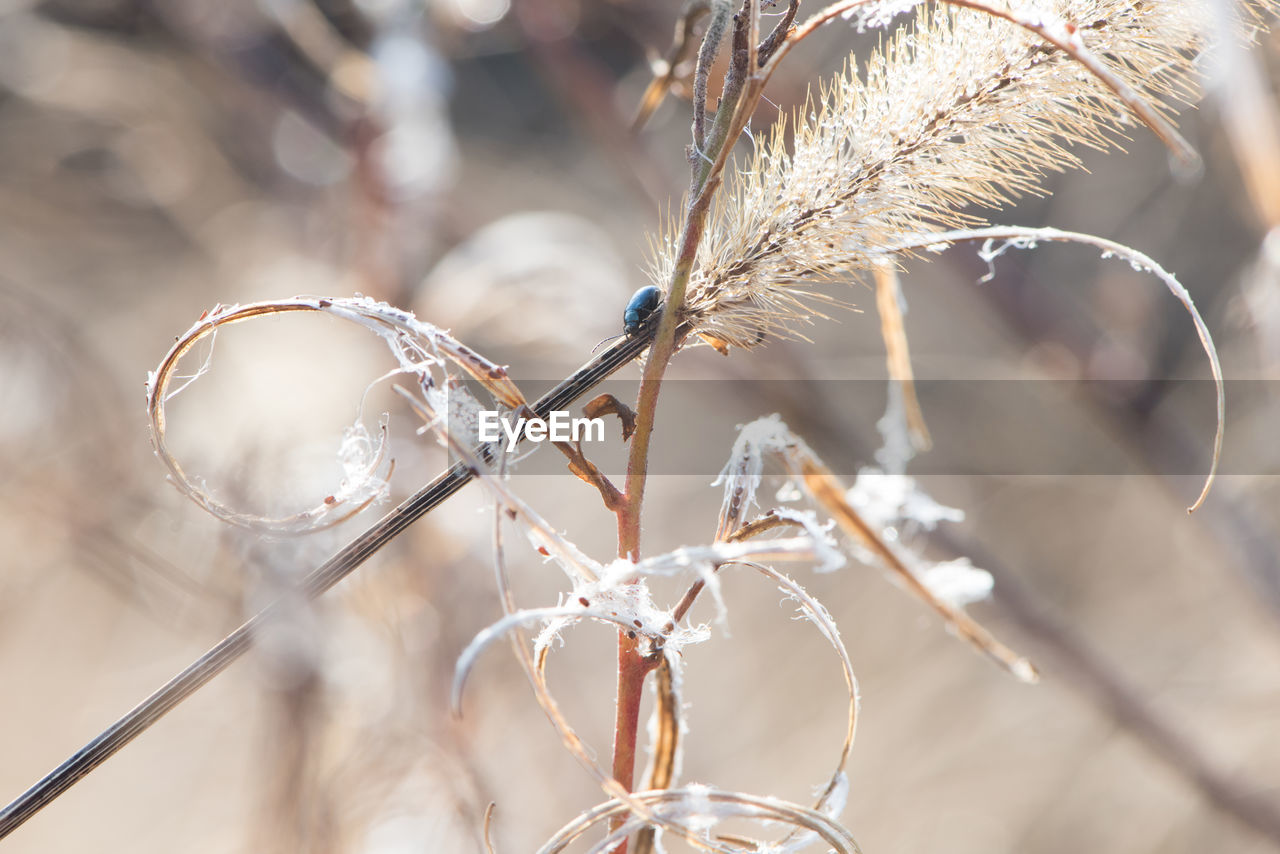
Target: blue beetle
(640,309)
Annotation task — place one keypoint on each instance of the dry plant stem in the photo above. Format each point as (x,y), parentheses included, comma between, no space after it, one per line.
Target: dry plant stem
(350,557)
(829,492)
(721,12)
(752,529)
(737,103)
(632,670)
(780,32)
(666,743)
(488,829)
(535,671)
(668,737)
(897,353)
(632,666)
(832,795)
(588,472)
(730,118)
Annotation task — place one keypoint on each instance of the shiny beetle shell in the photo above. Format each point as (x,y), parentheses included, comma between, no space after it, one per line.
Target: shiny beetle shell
(640,309)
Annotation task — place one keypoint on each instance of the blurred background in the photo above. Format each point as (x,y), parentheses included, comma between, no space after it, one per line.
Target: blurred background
(473,160)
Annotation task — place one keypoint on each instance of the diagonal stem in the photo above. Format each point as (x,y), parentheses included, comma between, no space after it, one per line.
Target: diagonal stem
(319,580)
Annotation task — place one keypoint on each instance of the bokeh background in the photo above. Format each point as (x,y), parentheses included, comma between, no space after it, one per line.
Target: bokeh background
(472,160)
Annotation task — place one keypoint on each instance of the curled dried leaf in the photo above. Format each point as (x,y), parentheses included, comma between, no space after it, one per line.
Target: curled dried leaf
(607,404)
(828,492)
(771,435)
(699,809)
(563,616)
(998,239)
(831,800)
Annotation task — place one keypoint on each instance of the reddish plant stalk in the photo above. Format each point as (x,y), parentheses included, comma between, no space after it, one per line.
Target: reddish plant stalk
(736,104)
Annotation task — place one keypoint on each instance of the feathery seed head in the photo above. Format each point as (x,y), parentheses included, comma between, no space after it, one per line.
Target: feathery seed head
(961,111)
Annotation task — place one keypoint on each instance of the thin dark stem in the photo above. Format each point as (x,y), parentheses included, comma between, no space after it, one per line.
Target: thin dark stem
(338,567)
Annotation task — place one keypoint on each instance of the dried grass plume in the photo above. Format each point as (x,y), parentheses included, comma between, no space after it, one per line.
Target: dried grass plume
(967,108)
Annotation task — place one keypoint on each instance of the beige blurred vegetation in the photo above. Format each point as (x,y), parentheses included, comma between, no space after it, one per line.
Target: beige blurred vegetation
(473,162)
